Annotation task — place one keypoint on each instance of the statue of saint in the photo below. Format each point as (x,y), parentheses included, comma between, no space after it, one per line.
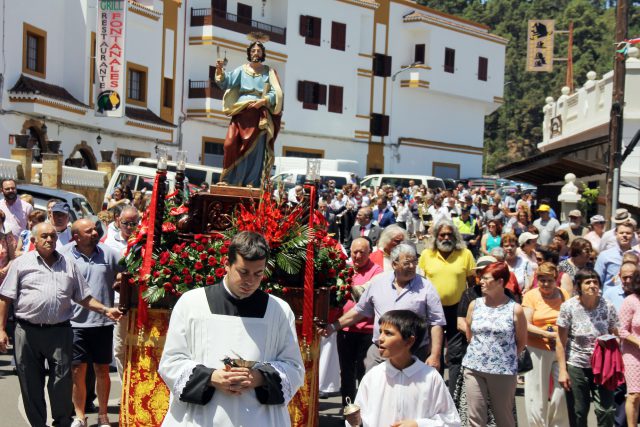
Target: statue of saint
(253,99)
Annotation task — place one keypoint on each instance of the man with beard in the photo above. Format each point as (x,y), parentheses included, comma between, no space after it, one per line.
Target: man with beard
(399,289)
(253,99)
(16,211)
(92,333)
(574,227)
(449,265)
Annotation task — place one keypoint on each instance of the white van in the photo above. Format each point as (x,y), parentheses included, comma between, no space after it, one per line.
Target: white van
(196,174)
(284,164)
(378,180)
(138,178)
(295,177)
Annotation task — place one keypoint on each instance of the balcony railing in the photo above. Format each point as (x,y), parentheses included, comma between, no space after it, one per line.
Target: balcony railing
(240,24)
(204,89)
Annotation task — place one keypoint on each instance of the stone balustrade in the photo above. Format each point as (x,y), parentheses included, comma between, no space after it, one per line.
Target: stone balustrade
(9,168)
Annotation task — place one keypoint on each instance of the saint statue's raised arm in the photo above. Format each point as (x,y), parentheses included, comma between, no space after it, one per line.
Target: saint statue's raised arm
(253,99)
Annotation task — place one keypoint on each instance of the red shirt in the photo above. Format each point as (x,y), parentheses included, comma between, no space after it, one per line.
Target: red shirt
(362,276)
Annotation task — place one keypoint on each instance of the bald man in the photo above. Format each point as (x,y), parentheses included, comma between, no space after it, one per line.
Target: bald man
(92,333)
(43,285)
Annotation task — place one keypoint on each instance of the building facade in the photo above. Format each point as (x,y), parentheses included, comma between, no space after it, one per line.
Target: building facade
(396,86)
(576,136)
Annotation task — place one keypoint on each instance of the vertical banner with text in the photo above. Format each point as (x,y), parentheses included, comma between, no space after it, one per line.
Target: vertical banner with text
(540,45)
(111,68)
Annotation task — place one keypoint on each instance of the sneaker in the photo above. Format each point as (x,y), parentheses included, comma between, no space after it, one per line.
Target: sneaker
(77,422)
(103,421)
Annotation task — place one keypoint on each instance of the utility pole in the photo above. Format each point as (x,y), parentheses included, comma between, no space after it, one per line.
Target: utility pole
(617,108)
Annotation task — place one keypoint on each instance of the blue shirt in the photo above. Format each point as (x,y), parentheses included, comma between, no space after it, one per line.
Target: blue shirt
(614,294)
(608,265)
(99,270)
(419,296)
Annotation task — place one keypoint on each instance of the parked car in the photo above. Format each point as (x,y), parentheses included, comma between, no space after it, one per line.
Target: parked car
(80,207)
(395,180)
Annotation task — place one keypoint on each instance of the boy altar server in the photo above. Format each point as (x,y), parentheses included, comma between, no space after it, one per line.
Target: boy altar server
(232,320)
(403,391)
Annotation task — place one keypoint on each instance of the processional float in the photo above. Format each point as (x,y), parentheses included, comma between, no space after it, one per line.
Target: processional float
(307,269)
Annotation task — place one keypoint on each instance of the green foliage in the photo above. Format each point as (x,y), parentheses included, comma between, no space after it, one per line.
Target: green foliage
(520,118)
(589,199)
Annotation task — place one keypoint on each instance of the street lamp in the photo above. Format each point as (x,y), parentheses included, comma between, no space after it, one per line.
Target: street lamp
(99,138)
(395,146)
(407,67)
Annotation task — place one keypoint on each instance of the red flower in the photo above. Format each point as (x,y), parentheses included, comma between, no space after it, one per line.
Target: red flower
(180,210)
(220,272)
(184,255)
(172,262)
(268,290)
(224,250)
(185,271)
(199,278)
(211,280)
(164,257)
(285,290)
(166,271)
(204,239)
(175,279)
(198,265)
(200,248)
(332,273)
(211,251)
(176,248)
(156,274)
(167,286)
(212,261)
(188,279)
(194,245)
(168,227)
(203,257)
(197,236)
(347,295)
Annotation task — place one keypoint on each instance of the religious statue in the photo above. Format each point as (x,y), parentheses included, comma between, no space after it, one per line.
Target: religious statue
(253,99)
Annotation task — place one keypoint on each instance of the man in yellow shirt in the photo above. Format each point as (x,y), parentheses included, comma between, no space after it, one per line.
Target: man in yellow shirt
(450,266)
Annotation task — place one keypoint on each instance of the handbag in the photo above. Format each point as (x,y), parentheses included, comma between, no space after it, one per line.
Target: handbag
(525,364)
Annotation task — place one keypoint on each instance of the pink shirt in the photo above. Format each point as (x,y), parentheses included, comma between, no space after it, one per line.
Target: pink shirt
(16,216)
(360,278)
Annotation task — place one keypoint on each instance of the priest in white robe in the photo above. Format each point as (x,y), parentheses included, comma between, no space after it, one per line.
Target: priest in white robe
(232,320)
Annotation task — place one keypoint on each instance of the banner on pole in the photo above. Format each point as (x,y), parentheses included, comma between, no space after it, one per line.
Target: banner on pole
(111,70)
(540,45)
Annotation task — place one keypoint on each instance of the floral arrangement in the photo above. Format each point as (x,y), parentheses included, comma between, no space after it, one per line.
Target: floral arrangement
(179,265)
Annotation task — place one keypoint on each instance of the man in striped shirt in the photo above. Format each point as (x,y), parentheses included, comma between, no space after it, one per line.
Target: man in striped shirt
(42,284)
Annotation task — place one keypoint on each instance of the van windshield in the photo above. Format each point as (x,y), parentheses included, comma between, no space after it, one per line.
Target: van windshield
(398,182)
(435,183)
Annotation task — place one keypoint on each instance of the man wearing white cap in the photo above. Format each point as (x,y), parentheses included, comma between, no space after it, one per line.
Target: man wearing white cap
(546,225)
(574,227)
(597,230)
(609,239)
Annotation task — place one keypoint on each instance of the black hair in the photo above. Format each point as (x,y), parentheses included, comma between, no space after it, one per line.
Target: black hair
(585,274)
(249,245)
(549,255)
(408,323)
(6,180)
(264,51)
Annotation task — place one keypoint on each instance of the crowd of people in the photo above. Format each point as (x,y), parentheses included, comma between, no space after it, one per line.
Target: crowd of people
(508,293)
(501,292)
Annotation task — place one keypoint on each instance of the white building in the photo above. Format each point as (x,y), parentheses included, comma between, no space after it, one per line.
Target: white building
(353,88)
(576,136)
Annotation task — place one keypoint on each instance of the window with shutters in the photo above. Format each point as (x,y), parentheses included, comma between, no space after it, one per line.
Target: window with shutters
(381,65)
(310,29)
(449,60)
(137,84)
(379,124)
(483,66)
(34,51)
(244,14)
(335,99)
(419,53)
(167,93)
(311,94)
(338,35)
